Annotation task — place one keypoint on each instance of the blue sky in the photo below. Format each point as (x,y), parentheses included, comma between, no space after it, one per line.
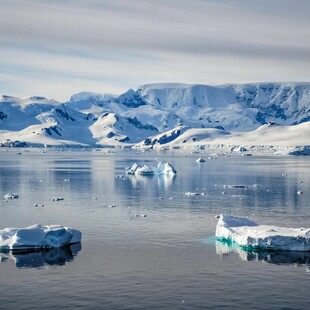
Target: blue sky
(61,47)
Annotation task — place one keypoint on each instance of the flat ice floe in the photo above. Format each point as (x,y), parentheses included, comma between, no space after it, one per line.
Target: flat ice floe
(38,237)
(251,236)
(163,168)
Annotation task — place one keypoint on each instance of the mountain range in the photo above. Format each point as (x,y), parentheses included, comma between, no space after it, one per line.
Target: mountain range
(158,110)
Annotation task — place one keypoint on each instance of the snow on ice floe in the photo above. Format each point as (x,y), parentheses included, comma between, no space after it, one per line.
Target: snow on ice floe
(251,236)
(38,237)
(163,168)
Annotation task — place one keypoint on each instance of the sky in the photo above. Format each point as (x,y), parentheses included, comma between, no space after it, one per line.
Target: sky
(55,48)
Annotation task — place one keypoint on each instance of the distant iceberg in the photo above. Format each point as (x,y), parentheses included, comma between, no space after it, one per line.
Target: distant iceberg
(163,168)
(200,160)
(38,237)
(251,236)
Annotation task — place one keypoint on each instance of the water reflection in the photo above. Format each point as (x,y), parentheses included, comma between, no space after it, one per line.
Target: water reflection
(162,181)
(53,257)
(272,257)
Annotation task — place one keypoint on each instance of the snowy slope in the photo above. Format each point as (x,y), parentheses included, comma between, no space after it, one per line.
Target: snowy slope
(233,107)
(266,135)
(19,113)
(226,113)
(112,129)
(240,107)
(62,125)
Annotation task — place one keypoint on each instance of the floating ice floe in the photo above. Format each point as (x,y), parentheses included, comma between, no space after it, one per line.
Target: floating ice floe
(194,194)
(38,237)
(11,196)
(235,186)
(57,198)
(251,236)
(163,168)
(200,160)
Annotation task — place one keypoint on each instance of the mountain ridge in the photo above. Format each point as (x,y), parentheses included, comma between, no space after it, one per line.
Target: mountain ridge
(152,109)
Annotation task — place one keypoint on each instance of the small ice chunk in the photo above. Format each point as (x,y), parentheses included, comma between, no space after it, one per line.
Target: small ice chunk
(112,206)
(235,186)
(11,196)
(300,192)
(143,215)
(194,194)
(200,160)
(57,198)
(38,205)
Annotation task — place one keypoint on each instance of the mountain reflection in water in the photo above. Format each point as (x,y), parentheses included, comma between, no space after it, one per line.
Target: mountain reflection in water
(36,259)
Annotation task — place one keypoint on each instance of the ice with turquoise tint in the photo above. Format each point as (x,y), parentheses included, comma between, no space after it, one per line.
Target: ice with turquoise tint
(250,235)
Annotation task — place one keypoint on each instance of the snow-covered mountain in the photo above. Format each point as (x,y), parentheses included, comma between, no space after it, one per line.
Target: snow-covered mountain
(152,110)
(42,122)
(233,107)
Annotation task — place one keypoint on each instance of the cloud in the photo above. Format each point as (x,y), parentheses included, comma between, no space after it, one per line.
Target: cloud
(114,43)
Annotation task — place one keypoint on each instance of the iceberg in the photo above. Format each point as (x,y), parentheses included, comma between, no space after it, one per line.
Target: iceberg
(251,236)
(163,168)
(38,237)
(200,160)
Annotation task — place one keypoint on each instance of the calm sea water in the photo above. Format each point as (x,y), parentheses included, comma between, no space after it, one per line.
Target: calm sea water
(166,260)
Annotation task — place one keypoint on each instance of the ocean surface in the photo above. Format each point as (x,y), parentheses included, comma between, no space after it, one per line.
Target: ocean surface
(168,259)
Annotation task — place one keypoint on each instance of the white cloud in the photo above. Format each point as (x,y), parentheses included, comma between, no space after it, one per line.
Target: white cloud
(111,45)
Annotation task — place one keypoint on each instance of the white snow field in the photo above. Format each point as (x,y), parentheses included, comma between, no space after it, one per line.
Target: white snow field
(38,237)
(250,235)
(163,168)
(261,116)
